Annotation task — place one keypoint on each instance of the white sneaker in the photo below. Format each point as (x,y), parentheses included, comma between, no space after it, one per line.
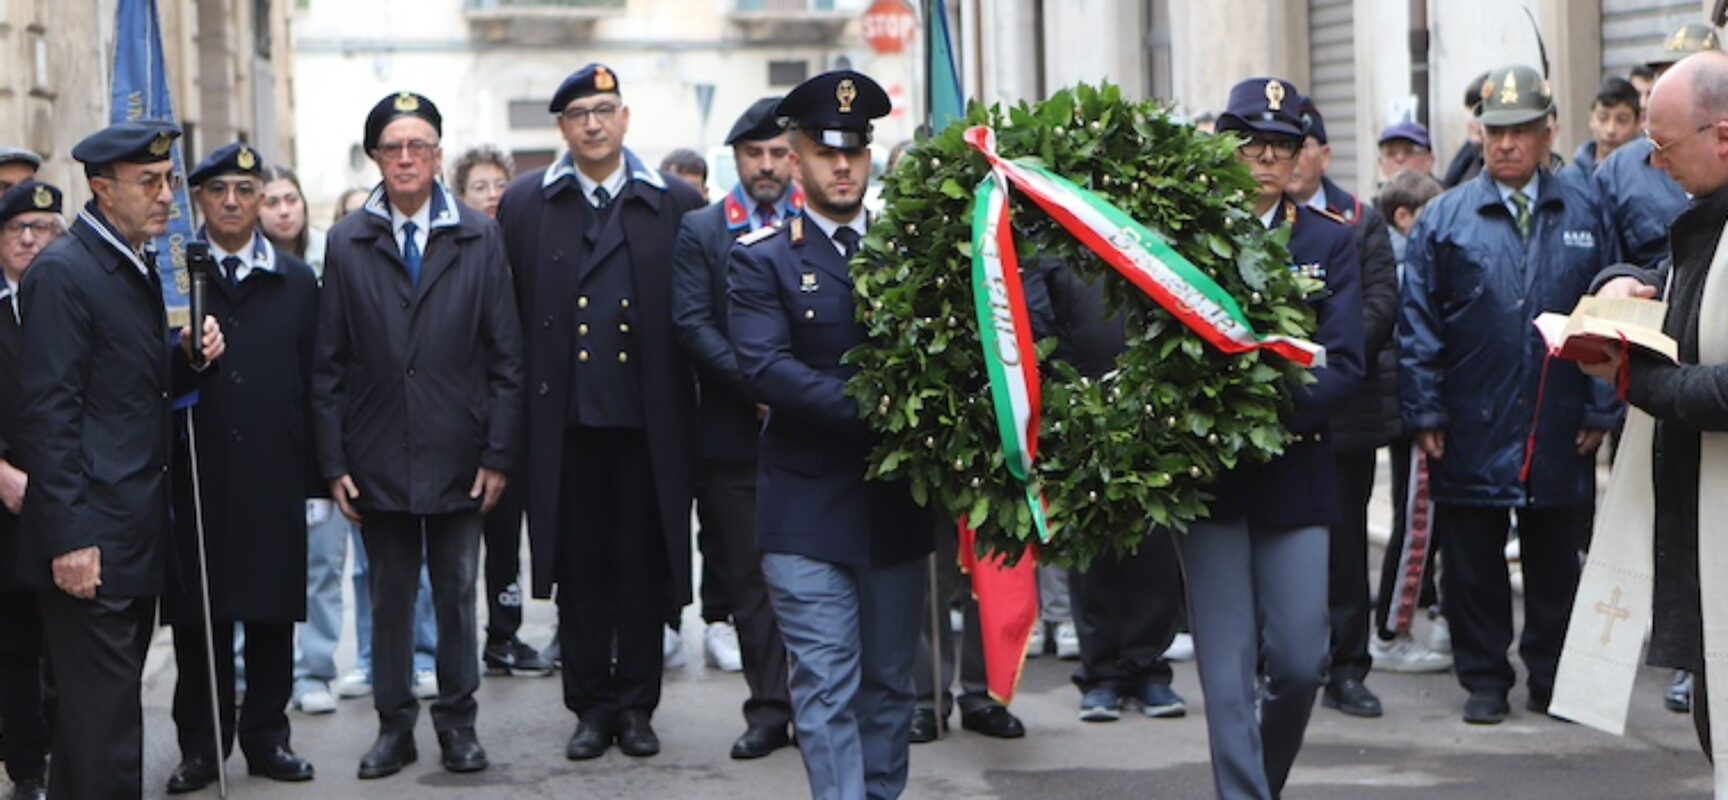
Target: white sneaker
(316,701)
(1439,635)
(1404,654)
(671,649)
(355,684)
(1035,642)
(1181,648)
(425,684)
(1067,641)
(720,647)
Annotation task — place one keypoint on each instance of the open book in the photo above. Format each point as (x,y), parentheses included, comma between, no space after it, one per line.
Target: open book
(1597,320)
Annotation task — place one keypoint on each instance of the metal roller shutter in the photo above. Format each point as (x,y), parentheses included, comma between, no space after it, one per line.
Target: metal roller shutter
(1631,29)
(1332,71)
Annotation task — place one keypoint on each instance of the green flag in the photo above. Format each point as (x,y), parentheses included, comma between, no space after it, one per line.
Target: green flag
(946,103)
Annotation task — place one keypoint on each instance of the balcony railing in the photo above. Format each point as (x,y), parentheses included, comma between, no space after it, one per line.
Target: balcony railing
(537,21)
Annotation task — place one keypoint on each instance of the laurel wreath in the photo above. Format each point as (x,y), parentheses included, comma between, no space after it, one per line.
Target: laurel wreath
(1136,448)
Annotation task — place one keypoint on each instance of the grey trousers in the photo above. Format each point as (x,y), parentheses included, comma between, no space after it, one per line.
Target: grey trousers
(451,543)
(852,632)
(1258,598)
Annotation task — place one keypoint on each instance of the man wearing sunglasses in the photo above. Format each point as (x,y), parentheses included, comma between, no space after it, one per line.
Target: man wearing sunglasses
(1504,431)
(610,406)
(1256,569)
(253,431)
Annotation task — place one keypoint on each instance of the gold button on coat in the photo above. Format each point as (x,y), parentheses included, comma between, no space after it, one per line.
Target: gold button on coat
(581,355)
(623,327)
(582,302)
(582,329)
(809,313)
(624,303)
(623,358)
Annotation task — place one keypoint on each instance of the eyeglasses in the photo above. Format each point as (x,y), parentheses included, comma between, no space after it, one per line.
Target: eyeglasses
(415,147)
(1283,147)
(476,187)
(602,113)
(245,190)
(152,184)
(43,229)
(1662,149)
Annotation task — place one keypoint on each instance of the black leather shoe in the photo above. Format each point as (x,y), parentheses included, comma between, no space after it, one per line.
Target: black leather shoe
(994,721)
(590,740)
(389,754)
(30,789)
(759,741)
(194,773)
(1352,697)
(925,725)
(635,735)
(280,764)
(1486,707)
(514,657)
(462,751)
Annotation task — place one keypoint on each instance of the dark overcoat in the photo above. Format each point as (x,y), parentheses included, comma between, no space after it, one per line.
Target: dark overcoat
(254,429)
(726,422)
(415,387)
(11,341)
(99,375)
(545,216)
(792,318)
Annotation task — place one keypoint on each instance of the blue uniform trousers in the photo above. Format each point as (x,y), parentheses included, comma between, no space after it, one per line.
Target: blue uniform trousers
(1257,599)
(852,633)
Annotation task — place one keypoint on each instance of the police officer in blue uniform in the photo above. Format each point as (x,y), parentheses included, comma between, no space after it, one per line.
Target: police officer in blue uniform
(1637,200)
(841,555)
(728,420)
(99,376)
(1256,569)
(609,409)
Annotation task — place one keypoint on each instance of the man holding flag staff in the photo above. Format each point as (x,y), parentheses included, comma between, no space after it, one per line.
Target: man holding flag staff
(253,439)
(842,556)
(1256,569)
(100,374)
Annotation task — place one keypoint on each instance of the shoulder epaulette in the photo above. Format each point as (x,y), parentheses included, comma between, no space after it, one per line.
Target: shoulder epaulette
(758,235)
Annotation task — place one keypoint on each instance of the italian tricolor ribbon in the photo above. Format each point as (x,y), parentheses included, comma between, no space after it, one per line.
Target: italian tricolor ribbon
(1144,258)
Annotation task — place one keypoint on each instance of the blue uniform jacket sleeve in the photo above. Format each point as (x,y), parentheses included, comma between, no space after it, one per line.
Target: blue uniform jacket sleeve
(693,313)
(55,373)
(1421,366)
(1340,332)
(763,339)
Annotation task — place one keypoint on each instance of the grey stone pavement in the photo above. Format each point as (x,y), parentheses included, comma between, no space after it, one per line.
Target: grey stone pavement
(1420,749)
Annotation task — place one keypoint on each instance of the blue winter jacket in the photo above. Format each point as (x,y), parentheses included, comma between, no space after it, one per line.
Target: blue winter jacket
(1470,360)
(1637,203)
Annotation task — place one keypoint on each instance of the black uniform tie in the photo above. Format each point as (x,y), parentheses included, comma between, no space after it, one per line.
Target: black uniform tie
(847,238)
(231,269)
(602,198)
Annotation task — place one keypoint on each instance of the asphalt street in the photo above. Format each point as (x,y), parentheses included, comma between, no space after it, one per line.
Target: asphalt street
(1419,749)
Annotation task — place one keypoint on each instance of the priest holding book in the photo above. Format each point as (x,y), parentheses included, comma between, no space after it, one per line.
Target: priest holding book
(1674,441)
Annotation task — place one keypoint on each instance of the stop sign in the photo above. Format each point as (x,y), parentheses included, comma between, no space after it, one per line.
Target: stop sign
(888,26)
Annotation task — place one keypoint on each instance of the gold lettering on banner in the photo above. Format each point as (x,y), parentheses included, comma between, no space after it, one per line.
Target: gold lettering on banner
(1611,612)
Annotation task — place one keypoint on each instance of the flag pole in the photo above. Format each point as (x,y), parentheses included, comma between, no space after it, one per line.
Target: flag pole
(938,642)
(204,589)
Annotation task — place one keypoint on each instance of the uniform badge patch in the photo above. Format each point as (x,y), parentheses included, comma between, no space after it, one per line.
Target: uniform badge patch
(42,197)
(807,282)
(1578,238)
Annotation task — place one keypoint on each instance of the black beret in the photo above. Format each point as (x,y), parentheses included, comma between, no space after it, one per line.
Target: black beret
(835,108)
(139,142)
(397,106)
(27,197)
(236,158)
(589,80)
(1316,123)
(757,124)
(1264,105)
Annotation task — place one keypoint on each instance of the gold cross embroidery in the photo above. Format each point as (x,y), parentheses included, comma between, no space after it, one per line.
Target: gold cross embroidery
(1611,611)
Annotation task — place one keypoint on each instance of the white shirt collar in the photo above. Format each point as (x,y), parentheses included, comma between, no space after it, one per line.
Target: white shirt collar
(422,220)
(263,256)
(614,183)
(828,226)
(1317,200)
(1530,190)
(1271,216)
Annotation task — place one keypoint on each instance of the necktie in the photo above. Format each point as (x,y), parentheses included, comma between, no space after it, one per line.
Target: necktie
(602,198)
(231,270)
(411,253)
(764,216)
(847,238)
(1521,202)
